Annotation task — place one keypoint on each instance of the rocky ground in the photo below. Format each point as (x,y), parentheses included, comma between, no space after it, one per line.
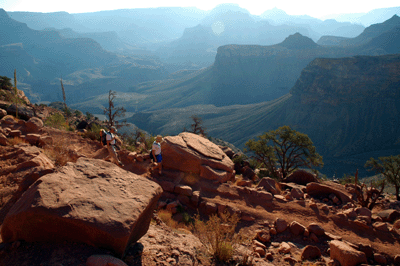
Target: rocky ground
(285,224)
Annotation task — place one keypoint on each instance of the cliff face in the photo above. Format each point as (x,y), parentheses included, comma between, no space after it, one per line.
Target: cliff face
(251,73)
(351,79)
(349,106)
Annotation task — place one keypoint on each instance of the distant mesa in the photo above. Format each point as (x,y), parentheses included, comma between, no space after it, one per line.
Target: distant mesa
(298,41)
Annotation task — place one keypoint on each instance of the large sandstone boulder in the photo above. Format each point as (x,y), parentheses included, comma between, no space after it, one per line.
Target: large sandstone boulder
(34,124)
(23,164)
(191,153)
(24,112)
(320,190)
(345,254)
(300,177)
(389,215)
(91,201)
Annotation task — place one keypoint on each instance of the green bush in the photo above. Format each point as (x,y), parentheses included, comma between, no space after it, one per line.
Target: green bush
(149,142)
(57,120)
(93,133)
(347,179)
(78,113)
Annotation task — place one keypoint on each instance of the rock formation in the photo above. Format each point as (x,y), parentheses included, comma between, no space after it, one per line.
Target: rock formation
(191,153)
(92,201)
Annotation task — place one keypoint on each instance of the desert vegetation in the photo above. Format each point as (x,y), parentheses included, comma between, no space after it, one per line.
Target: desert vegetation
(284,150)
(389,167)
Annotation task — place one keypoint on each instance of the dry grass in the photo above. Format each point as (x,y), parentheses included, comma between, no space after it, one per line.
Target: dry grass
(238,179)
(180,227)
(218,235)
(59,152)
(166,217)
(16,141)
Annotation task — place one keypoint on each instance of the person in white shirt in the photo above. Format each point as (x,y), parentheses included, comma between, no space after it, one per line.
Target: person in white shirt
(156,150)
(111,137)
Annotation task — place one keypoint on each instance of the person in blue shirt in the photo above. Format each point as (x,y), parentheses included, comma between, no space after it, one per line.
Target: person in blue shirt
(156,150)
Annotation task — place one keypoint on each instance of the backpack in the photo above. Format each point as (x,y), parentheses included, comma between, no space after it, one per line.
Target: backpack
(151,156)
(104,138)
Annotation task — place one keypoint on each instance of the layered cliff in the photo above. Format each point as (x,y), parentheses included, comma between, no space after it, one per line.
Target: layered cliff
(251,73)
(351,104)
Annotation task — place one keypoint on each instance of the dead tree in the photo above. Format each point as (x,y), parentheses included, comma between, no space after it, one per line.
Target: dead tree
(64,98)
(367,196)
(197,126)
(113,112)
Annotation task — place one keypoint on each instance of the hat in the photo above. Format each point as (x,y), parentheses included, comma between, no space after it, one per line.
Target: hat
(159,137)
(113,128)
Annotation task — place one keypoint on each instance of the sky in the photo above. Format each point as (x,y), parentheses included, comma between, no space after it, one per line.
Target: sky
(314,8)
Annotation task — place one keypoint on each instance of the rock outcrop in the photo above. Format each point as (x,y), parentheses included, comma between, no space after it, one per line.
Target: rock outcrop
(269,185)
(92,202)
(316,190)
(300,177)
(345,254)
(191,153)
(23,164)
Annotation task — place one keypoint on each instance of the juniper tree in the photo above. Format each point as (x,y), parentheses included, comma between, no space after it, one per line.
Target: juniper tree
(284,150)
(389,167)
(197,126)
(5,83)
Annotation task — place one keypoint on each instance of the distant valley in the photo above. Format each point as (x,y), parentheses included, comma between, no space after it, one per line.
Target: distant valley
(242,74)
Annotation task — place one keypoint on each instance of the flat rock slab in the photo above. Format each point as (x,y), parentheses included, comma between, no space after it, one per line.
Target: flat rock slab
(316,190)
(203,146)
(191,153)
(345,254)
(90,201)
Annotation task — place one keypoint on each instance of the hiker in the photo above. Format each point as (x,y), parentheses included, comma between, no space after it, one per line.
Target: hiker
(156,150)
(111,137)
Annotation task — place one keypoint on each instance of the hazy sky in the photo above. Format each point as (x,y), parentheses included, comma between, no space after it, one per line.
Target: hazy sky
(314,8)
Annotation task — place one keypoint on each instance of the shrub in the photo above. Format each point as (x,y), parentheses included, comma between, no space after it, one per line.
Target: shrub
(93,133)
(239,159)
(347,179)
(218,235)
(58,154)
(166,217)
(149,142)
(56,120)
(6,96)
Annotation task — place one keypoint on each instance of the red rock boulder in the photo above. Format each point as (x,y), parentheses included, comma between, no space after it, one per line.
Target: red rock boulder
(345,254)
(320,190)
(192,153)
(90,201)
(300,177)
